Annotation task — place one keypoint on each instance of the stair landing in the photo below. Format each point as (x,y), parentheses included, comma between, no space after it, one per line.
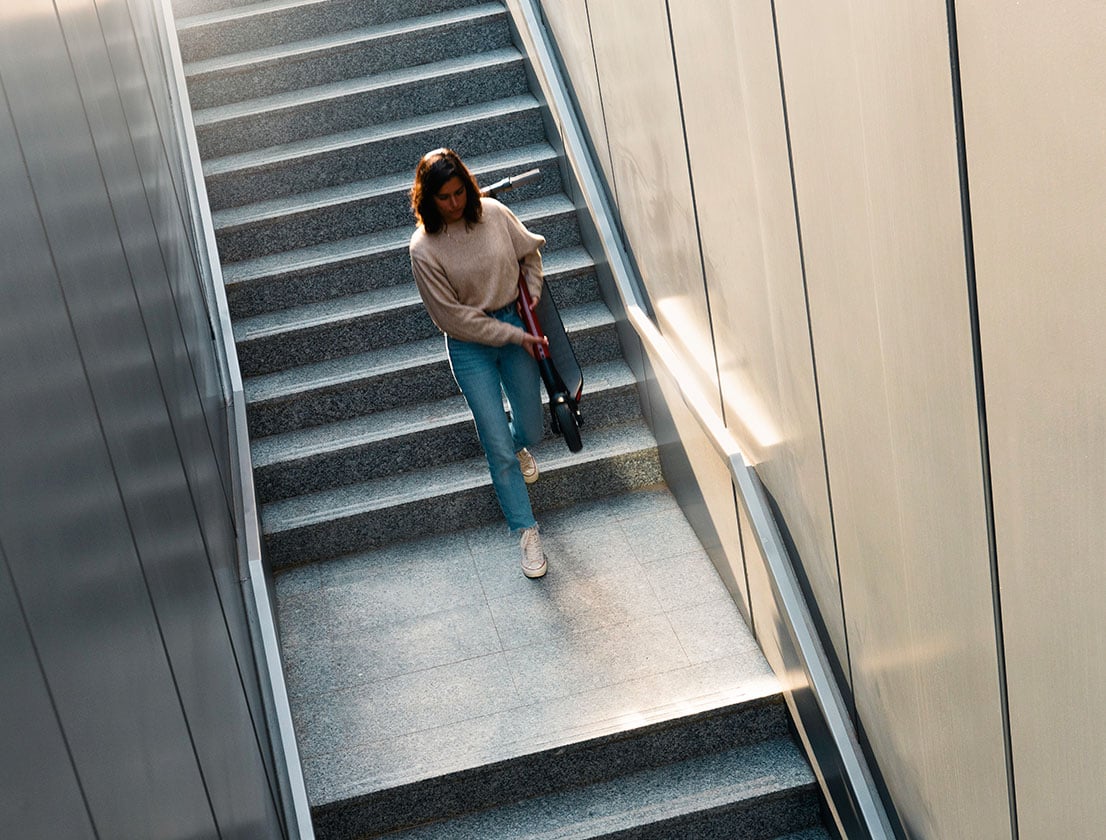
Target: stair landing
(436,655)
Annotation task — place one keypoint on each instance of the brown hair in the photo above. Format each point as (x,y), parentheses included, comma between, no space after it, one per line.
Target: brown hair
(433,171)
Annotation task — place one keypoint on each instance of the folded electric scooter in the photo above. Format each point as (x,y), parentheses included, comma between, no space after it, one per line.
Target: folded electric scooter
(560,371)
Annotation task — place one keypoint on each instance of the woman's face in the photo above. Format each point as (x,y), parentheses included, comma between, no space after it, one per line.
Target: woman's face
(451,200)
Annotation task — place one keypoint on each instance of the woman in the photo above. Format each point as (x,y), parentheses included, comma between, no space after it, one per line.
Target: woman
(465,255)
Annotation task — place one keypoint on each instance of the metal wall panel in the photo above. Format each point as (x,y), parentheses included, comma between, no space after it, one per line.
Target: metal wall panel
(64,530)
(732,107)
(569,25)
(160,253)
(136,55)
(640,99)
(131,392)
(1034,124)
(114,516)
(176,312)
(869,96)
(36,768)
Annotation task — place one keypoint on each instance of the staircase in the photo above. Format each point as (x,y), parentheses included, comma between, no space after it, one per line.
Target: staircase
(310,116)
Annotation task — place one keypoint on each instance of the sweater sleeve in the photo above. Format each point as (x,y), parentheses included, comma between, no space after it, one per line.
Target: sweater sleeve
(454,318)
(527,249)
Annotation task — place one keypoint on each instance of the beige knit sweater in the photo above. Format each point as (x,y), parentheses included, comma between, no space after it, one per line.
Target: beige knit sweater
(463,273)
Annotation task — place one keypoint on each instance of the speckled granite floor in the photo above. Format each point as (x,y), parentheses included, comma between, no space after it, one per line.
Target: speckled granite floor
(436,655)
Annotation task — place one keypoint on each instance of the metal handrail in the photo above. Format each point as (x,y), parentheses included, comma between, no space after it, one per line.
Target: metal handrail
(252,571)
(799,624)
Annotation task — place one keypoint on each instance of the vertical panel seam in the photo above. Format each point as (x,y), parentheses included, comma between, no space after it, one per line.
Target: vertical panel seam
(981,405)
(209,558)
(813,356)
(602,110)
(183,215)
(47,688)
(181,211)
(706,295)
(695,213)
(104,436)
(4,555)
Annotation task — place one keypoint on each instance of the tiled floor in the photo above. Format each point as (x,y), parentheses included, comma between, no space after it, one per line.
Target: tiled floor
(436,655)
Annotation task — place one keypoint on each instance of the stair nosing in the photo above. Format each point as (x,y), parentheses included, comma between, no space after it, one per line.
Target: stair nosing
(314,146)
(338,41)
(287,448)
(749,787)
(333,91)
(389,299)
(317,508)
(365,366)
(242,12)
(333,311)
(268,210)
(756,695)
(390,240)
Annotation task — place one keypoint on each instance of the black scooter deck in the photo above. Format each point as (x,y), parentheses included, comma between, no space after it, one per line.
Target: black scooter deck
(560,348)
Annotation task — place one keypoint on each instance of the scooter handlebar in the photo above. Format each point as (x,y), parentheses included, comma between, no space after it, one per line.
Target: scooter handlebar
(511,182)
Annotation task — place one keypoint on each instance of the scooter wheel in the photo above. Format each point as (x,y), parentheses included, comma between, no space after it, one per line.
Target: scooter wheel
(566,419)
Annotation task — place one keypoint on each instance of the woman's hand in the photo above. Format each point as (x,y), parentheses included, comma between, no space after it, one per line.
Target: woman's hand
(531,343)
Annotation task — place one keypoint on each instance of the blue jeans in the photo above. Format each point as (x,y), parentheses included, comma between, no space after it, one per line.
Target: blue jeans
(485,374)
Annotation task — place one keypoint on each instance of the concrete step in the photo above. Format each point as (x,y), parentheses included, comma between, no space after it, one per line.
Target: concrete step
(352,104)
(757,791)
(366,262)
(302,221)
(447,498)
(458,804)
(429,679)
(375,319)
(370,152)
(346,55)
(209,28)
(411,438)
(393,377)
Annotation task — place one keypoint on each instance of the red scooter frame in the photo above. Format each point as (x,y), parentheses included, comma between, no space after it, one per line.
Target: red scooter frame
(556,361)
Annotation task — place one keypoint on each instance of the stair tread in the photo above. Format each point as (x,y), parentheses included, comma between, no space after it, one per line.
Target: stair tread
(359,37)
(314,441)
(348,87)
(444,120)
(382,493)
(332,311)
(374,301)
(336,372)
(399,182)
(317,256)
(763,770)
(246,10)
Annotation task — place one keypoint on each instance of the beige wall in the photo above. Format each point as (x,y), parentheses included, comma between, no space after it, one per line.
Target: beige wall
(568,24)
(833,326)
(738,154)
(1033,82)
(869,96)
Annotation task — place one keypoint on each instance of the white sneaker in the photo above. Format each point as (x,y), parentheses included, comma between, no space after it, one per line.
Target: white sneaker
(533,558)
(528,465)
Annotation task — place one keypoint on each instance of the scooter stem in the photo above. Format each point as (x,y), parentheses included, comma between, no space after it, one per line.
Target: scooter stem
(529,317)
